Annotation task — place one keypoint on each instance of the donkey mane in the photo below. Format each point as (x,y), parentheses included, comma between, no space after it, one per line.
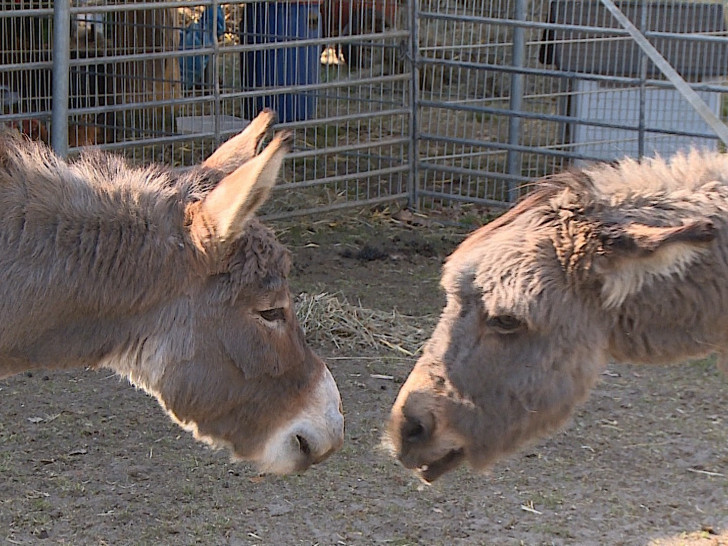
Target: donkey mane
(654,191)
(98,217)
(540,196)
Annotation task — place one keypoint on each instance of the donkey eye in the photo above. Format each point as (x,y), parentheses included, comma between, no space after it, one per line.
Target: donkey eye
(504,324)
(272,315)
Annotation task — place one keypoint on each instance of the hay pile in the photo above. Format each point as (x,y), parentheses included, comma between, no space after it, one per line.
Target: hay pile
(331,318)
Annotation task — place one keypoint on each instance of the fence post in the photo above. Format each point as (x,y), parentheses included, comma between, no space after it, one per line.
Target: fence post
(61,74)
(516,101)
(642,123)
(215,74)
(414,59)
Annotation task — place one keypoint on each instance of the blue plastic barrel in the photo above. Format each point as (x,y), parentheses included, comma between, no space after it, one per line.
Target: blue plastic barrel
(268,68)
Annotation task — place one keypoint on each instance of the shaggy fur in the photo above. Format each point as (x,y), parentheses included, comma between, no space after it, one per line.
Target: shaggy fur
(627,261)
(100,266)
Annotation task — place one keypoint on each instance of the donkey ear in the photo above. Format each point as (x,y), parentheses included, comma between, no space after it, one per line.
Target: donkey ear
(635,240)
(633,254)
(244,146)
(221,216)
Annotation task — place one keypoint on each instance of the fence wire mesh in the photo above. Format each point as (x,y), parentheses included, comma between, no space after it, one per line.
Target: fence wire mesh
(515,89)
(169,81)
(435,101)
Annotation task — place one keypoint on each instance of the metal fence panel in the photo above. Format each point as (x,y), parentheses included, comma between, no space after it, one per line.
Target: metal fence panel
(169,80)
(435,101)
(517,89)
(25,65)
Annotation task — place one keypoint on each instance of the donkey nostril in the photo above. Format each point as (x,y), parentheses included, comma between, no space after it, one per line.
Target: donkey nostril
(303,445)
(414,431)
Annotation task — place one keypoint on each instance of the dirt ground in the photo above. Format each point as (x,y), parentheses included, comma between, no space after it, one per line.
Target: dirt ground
(87,459)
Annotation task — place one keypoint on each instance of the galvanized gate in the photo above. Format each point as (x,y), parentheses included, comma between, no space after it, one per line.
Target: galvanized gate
(432,102)
(514,90)
(168,80)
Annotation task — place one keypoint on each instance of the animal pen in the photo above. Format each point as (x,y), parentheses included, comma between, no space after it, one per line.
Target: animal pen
(429,102)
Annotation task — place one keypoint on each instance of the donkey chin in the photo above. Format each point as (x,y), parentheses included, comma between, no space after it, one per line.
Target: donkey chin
(448,459)
(430,453)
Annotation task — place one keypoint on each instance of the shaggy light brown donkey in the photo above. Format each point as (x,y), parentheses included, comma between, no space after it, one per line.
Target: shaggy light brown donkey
(166,278)
(626,262)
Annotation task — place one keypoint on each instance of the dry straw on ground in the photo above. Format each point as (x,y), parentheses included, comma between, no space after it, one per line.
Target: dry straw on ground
(331,318)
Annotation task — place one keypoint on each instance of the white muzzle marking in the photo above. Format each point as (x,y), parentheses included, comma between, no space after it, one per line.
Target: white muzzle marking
(316,432)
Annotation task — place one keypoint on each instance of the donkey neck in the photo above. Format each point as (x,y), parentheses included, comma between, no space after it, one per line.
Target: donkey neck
(81,251)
